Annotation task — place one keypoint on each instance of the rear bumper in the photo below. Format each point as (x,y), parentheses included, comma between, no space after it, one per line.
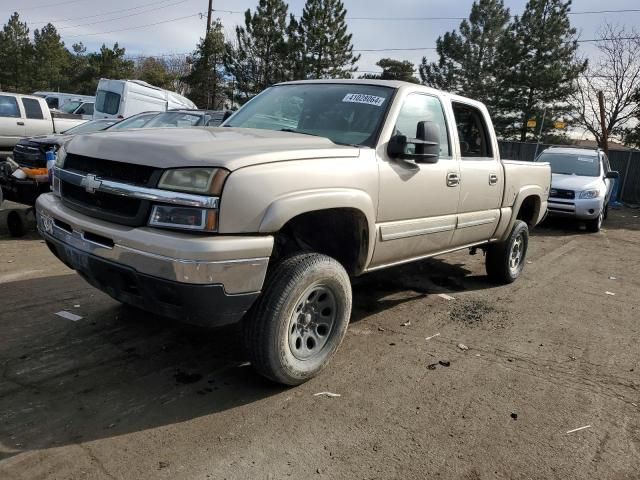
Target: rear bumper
(211,289)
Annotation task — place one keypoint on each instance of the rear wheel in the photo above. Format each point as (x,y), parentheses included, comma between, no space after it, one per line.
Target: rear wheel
(505,260)
(300,319)
(595,225)
(16,224)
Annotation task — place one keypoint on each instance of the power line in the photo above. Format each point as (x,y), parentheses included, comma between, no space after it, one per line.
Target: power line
(199,14)
(124,16)
(52,4)
(120,10)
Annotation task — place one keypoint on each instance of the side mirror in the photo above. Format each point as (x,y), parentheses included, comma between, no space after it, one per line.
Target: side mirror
(427,144)
(613,174)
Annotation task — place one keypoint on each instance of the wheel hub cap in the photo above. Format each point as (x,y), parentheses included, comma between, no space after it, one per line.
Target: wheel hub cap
(517,253)
(312,322)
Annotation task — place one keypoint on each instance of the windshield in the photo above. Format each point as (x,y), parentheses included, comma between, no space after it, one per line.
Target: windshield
(572,164)
(136,121)
(175,119)
(88,127)
(348,114)
(70,106)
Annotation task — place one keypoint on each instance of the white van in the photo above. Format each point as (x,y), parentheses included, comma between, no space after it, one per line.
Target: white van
(57,99)
(123,98)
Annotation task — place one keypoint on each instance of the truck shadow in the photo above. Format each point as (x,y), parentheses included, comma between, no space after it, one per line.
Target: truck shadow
(119,370)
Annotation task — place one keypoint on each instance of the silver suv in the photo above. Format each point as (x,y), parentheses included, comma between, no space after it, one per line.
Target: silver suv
(581,184)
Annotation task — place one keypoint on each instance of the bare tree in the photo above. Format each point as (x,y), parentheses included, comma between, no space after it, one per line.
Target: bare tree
(178,67)
(617,74)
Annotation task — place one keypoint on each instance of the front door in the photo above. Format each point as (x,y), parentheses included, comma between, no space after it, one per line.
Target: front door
(481,177)
(418,201)
(11,122)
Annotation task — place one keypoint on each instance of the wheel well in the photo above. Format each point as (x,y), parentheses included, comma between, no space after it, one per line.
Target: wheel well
(341,233)
(529,209)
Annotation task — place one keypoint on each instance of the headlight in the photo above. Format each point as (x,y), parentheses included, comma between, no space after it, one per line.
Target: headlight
(207,181)
(61,155)
(586,194)
(184,218)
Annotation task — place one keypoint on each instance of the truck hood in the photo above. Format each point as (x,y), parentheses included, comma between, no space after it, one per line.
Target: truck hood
(230,148)
(573,182)
(55,139)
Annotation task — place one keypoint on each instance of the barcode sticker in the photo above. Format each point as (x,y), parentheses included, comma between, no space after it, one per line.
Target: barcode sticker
(363,98)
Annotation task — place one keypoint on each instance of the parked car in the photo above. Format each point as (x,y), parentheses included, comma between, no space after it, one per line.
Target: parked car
(27,116)
(30,156)
(56,100)
(123,98)
(266,219)
(77,108)
(187,118)
(581,185)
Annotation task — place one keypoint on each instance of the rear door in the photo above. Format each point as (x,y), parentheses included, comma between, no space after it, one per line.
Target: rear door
(418,201)
(11,122)
(36,122)
(481,175)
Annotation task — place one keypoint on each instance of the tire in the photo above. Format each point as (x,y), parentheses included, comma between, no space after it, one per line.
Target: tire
(299,321)
(594,226)
(16,224)
(501,264)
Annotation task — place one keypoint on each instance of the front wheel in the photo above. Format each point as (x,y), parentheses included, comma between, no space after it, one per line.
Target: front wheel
(595,225)
(505,260)
(300,319)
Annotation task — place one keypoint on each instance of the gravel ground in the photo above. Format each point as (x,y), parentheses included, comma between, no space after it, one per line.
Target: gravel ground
(122,394)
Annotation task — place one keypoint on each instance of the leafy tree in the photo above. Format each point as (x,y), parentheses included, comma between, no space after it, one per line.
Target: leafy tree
(79,74)
(258,58)
(16,53)
(325,46)
(206,79)
(467,60)
(394,70)
(539,66)
(154,71)
(51,59)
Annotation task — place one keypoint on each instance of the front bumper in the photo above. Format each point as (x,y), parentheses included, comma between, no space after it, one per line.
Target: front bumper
(198,279)
(577,208)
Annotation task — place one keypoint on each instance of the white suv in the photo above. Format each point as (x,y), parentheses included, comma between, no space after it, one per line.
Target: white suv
(581,184)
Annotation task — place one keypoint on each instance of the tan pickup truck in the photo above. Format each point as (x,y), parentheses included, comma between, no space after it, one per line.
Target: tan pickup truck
(265,219)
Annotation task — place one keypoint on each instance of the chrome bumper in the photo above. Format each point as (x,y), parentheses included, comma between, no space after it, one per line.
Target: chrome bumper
(121,245)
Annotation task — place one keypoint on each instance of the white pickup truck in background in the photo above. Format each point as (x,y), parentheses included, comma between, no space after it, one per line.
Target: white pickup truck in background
(27,116)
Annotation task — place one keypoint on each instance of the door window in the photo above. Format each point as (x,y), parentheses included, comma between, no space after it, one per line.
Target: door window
(9,107)
(85,109)
(473,133)
(107,102)
(418,107)
(32,108)
(52,102)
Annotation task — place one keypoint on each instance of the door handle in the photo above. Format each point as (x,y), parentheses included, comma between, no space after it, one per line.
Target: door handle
(20,123)
(493,179)
(453,179)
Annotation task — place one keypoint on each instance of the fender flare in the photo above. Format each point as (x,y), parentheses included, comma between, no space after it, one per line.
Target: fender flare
(524,193)
(289,206)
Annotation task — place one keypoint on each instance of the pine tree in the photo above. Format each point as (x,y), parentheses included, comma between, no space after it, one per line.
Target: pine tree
(327,51)
(16,55)
(206,80)
(394,70)
(51,59)
(539,67)
(467,63)
(259,57)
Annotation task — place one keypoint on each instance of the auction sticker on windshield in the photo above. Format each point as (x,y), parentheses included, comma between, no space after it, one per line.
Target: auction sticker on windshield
(363,98)
(588,159)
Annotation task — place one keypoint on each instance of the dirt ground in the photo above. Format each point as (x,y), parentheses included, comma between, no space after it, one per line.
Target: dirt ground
(121,394)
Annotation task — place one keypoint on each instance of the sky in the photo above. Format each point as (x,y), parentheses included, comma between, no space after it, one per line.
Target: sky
(164,27)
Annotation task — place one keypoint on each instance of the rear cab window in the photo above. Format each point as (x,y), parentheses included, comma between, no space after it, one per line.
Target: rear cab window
(9,107)
(107,102)
(473,134)
(32,108)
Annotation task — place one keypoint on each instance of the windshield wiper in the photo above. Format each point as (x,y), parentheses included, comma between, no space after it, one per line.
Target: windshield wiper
(291,130)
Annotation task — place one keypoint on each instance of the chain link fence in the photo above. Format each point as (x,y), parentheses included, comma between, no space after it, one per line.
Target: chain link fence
(625,162)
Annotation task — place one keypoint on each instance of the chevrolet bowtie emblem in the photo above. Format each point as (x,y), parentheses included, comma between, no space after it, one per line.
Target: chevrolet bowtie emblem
(91,183)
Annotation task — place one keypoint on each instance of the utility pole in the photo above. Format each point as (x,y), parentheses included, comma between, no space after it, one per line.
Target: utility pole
(209,16)
(605,139)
